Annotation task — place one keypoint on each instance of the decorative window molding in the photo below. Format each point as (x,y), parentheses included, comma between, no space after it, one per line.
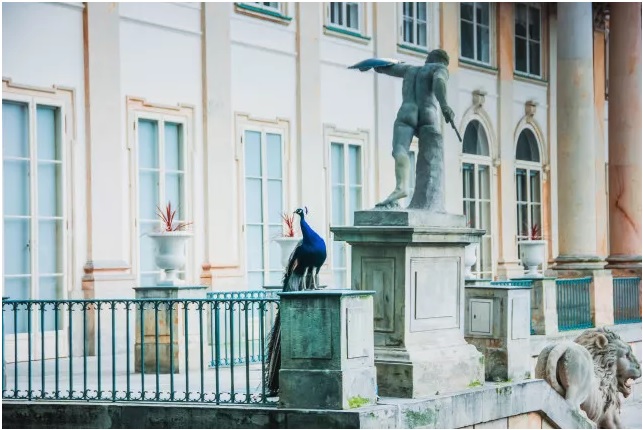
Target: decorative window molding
(478,34)
(263,154)
(347,20)
(171,130)
(347,177)
(270,11)
(39,131)
(528,40)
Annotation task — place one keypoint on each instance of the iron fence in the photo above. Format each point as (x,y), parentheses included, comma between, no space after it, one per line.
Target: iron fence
(573,304)
(234,333)
(627,300)
(137,349)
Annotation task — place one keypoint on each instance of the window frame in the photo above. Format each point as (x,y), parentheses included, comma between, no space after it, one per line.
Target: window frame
(492,37)
(527,39)
(410,45)
(481,160)
(528,166)
(61,99)
(140,109)
(358,34)
(261,11)
(345,137)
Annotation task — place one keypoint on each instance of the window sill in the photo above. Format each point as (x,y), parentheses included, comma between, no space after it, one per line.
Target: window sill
(474,65)
(261,13)
(519,76)
(417,51)
(346,34)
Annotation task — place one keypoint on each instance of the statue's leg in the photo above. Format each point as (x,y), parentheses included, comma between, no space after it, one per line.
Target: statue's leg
(429,185)
(402,136)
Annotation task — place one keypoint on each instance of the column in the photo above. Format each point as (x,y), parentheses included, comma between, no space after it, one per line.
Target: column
(108,249)
(221,201)
(625,138)
(576,143)
(508,263)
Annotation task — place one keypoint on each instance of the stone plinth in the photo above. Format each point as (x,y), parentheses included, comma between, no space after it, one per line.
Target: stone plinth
(544,315)
(497,320)
(417,273)
(327,349)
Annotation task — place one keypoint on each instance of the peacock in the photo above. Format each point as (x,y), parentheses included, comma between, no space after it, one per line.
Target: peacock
(301,273)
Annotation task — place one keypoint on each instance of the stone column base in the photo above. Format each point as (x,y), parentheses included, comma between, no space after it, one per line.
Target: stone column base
(317,389)
(429,372)
(624,265)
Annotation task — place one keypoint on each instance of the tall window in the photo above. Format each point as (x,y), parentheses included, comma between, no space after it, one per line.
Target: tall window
(264,199)
(35,212)
(161,179)
(476,187)
(346,189)
(345,15)
(528,39)
(528,184)
(414,23)
(475,25)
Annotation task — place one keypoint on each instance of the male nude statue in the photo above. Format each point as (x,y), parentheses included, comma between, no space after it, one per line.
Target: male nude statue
(423,97)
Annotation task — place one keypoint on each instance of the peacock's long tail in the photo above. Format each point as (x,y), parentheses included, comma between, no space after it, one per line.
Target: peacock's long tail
(291,282)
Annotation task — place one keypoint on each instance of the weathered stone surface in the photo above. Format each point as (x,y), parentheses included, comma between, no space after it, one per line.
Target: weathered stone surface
(327,350)
(407,217)
(495,424)
(497,319)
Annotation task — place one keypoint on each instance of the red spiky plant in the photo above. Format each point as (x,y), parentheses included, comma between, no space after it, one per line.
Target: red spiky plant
(534,232)
(289,224)
(167,216)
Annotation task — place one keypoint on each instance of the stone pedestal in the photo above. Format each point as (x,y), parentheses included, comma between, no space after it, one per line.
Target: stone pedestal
(417,273)
(497,322)
(327,349)
(155,322)
(544,315)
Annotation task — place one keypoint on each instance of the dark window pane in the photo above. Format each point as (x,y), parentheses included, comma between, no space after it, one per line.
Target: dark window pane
(534,23)
(407,9)
(466,11)
(482,42)
(521,55)
(408,30)
(521,20)
(466,39)
(482,13)
(534,58)
(421,34)
(521,185)
(475,140)
(527,148)
(421,11)
(468,184)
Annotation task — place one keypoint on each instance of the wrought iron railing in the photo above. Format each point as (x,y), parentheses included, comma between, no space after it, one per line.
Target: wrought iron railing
(573,304)
(231,331)
(627,300)
(135,349)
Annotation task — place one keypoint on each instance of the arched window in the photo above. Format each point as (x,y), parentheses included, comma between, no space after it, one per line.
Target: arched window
(476,192)
(528,185)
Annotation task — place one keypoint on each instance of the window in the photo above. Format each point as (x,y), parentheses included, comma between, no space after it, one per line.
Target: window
(346,183)
(161,179)
(270,6)
(345,15)
(475,26)
(264,204)
(476,187)
(414,24)
(528,39)
(35,212)
(528,184)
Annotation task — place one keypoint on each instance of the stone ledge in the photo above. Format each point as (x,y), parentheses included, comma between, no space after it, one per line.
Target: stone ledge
(470,407)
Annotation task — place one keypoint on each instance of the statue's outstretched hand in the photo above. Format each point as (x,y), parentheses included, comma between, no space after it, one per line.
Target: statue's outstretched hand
(448,114)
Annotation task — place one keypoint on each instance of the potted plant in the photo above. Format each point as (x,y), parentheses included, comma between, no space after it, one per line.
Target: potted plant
(532,251)
(287,241)
(169,244)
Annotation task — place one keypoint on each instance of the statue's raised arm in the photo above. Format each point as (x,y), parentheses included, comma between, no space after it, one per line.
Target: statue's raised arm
(387,66)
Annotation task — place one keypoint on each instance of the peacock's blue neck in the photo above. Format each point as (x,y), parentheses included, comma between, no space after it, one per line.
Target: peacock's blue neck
(307,232)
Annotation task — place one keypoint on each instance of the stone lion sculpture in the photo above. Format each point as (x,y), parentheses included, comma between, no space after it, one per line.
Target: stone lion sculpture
(590,372)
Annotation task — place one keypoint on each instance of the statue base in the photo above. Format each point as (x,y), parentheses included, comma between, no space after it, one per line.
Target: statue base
(417,273)
(408,218)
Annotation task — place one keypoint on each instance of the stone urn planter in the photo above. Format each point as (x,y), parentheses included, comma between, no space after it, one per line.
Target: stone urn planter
(169,252)
(470,259)
(287,244)
(532,254)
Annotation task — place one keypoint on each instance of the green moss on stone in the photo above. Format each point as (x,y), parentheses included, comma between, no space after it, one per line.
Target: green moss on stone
(357,402)
(505,390)
(475,383)
(415,419)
